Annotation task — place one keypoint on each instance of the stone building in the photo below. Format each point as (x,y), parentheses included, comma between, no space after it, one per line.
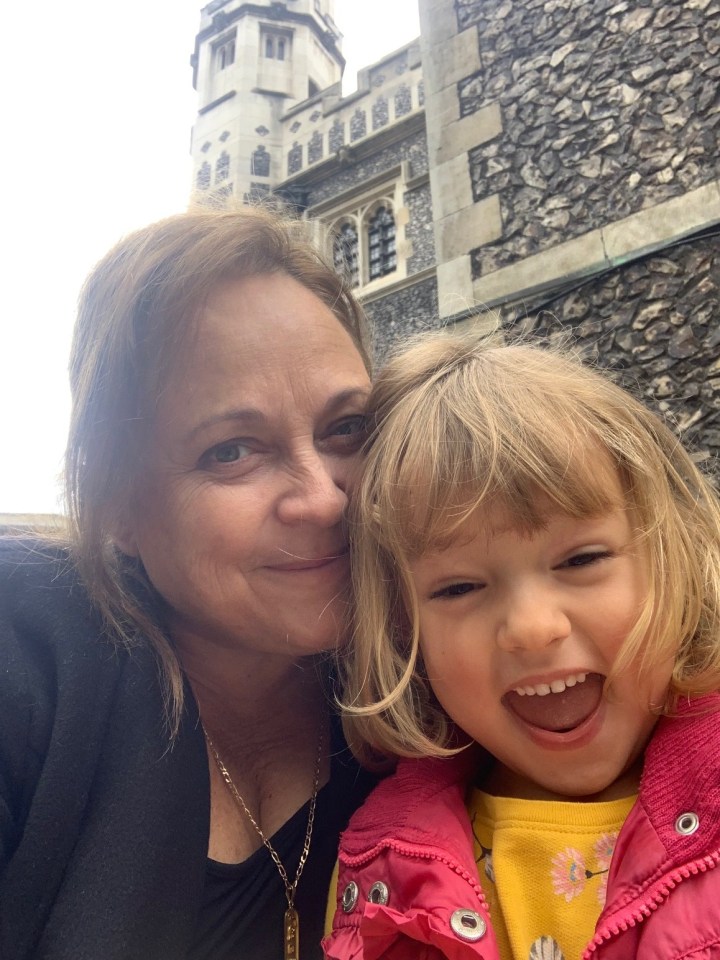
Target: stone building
(553,163)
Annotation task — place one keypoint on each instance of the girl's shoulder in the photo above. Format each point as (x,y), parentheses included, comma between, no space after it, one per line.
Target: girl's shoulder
(409,803)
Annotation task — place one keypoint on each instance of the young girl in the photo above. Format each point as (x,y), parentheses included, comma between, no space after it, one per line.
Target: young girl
(537,575)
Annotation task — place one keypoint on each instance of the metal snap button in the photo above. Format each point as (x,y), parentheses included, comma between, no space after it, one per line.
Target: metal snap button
(687,823)
(468,925)
(350,897)
(379,893)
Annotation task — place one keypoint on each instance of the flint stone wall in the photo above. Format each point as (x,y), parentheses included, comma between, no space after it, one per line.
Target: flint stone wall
(355,174)
(607,108)
(419,229)
(402,314)
(655,323)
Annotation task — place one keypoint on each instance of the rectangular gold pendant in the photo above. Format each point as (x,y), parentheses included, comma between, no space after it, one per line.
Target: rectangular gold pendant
(292,934)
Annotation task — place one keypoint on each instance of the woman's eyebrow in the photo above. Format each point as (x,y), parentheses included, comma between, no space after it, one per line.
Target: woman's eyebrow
(346,396)
(250,415)
(253,416)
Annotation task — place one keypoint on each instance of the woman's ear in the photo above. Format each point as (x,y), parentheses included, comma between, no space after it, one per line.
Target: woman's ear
(122,530)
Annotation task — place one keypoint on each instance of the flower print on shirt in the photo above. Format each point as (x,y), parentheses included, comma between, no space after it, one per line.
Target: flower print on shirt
(570,874)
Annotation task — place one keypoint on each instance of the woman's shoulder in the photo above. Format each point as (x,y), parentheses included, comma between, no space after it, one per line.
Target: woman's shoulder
(42,600)
(51,637)
(29,565)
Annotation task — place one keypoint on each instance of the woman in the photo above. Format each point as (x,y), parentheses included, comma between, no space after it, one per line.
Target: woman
(170,785)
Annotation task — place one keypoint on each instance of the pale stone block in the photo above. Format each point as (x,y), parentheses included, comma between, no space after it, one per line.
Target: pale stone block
(402,216)
(469,228)
(462,135)
(447,62)
(441,109)
(654,227)
(450,186)
(438,20)
(575,258)
(455,289)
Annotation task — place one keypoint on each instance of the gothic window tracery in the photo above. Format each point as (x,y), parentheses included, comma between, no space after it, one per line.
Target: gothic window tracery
(364,243)
(203,176)
(382,257)
(260,162)
(346,253)
(222,167)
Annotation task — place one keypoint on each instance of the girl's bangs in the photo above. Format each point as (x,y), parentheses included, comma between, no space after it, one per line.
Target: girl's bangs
(431,473)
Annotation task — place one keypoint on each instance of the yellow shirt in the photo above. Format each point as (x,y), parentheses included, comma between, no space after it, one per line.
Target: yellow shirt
(543,867)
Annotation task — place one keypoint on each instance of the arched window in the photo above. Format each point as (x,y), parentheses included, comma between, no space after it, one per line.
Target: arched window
(275,45)
(346,254)
(382,258)
(225,53)
(203,176)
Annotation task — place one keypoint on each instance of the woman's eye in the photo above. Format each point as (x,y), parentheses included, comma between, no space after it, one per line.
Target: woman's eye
(229,452)
(454,590)
(585,559)
(350,431)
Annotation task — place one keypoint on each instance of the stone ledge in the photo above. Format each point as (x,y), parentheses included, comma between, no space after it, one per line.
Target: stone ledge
(656,226)
(634,236)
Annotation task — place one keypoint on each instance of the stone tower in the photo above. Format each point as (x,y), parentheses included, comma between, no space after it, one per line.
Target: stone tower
(252,62)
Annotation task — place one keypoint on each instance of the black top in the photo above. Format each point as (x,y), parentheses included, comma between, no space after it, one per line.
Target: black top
(103,826)
(244,904)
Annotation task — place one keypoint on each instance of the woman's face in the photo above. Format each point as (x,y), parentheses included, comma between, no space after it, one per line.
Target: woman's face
(239,521)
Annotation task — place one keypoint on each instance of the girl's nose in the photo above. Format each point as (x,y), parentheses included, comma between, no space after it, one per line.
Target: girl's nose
(532,620)
(316,493)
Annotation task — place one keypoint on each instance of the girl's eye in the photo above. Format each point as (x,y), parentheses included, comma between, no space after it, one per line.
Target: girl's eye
(229,452)
(454,590)
(585,559)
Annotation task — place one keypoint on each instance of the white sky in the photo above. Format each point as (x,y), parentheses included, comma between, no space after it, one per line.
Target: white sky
(97,105)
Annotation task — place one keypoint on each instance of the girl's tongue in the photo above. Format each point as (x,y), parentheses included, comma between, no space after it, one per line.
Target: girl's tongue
(558,712)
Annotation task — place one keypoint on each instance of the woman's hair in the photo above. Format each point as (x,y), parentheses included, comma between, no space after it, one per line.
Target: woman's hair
(458,424)
(139,307)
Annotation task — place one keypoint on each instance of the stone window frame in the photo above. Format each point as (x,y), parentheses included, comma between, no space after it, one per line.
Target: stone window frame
(359,215)
(223,51)
(275,44)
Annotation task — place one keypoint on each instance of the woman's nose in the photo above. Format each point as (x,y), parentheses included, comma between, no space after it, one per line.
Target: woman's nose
(532,620)
(316,492)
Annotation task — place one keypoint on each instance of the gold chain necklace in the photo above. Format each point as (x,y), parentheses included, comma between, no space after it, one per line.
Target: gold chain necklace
(292,920)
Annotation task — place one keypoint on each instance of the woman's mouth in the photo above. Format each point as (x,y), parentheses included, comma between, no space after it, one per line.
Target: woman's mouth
(559,706)
(297,564)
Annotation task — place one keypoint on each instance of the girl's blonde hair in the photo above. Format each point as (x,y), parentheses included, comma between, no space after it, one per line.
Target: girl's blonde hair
(140,307)
(457,423)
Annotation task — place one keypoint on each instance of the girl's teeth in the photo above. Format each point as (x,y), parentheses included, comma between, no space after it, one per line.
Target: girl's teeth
(555,686)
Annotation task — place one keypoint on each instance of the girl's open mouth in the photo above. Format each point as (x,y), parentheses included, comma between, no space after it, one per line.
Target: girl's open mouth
(558,712)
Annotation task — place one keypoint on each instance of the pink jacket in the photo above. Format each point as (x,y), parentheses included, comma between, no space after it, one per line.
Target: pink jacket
(408,884)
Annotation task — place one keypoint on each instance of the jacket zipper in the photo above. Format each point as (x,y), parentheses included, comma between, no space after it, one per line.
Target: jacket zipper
(637,915)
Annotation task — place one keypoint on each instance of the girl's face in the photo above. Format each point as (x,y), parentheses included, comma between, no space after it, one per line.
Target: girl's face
(519,632)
